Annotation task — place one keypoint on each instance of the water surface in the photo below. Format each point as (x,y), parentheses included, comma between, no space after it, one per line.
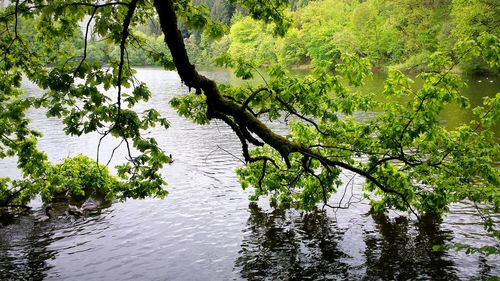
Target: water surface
(206,229)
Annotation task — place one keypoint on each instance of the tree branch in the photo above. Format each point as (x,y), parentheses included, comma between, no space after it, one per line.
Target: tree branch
(125,33)
(233,113)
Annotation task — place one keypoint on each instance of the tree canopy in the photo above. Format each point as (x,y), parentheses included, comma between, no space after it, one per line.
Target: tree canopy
(409,160)
(400,34)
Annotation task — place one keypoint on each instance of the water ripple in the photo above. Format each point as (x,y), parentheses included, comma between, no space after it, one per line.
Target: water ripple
(206,230)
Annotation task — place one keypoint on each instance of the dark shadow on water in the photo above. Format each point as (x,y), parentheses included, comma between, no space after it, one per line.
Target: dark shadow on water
(402,250)
(23,250)
(280,246)
(284,244)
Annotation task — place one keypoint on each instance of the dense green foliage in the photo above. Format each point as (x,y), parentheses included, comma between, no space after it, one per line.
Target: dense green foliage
(82,106)
(396,34)
(401,33)
(75,179)
(405,145)
(409,160)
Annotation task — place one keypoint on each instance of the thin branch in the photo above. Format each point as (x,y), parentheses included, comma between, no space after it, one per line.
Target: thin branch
(113,152)
(99,145)
(344,148)
(253,95)
(100,5)
(345,190)
(125,33)
(86,42)
(228,152)
(323,187)
(263,174)
(301,116)
(8,139)
(15,11)
(327,162)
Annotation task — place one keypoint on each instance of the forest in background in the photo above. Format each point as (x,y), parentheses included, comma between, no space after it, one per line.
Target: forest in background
(399,34)
(396,33)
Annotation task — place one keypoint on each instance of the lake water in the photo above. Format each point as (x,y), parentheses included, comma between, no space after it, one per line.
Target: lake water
(206,229)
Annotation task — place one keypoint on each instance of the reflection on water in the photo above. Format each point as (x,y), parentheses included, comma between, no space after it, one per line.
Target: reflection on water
(288,245)
(280,246)
(205,230)
(452,115)
(23,250)
(400,249)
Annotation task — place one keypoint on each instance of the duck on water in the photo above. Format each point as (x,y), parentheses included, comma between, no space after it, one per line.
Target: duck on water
(87,206)
(71,210)
(45,217)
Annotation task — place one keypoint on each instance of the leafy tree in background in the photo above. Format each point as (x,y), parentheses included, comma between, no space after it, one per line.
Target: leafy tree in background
(472,18)
(252,40)
(410,162)
(398,34)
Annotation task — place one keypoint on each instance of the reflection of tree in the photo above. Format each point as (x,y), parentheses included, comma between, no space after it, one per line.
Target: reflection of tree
(400,251)
(283,247)
(485,268)
(23,250)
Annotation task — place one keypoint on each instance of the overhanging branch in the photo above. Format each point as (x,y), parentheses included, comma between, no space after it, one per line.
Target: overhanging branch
(236,115)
